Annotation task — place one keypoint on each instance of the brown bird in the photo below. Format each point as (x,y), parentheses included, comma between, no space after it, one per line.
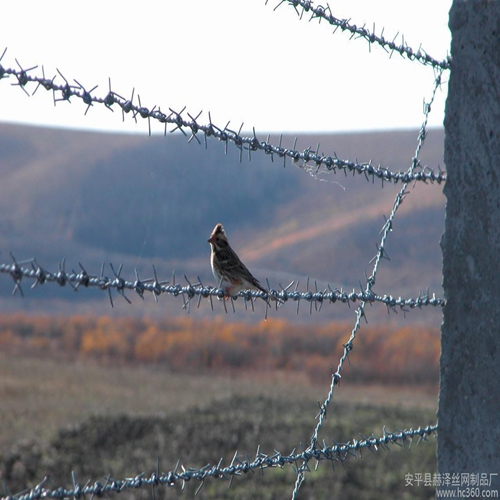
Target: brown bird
(230,273)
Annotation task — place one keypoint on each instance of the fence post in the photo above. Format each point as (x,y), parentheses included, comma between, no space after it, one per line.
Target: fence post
(469,398)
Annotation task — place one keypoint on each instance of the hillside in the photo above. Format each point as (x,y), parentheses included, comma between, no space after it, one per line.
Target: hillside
(141,200)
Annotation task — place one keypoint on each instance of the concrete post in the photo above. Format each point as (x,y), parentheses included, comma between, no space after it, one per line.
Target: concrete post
(469,398)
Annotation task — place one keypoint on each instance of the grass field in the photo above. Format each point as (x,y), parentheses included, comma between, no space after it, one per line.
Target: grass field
(59,416)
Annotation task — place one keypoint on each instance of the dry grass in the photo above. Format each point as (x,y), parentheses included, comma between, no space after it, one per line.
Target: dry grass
(60,417)
(39,396)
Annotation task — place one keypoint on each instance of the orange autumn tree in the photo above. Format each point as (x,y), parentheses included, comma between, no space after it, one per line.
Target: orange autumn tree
(108,338)
(390,354)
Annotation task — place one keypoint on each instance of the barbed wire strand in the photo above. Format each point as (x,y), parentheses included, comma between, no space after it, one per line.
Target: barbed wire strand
(239,465)
(18,270)
(360,311)
(390,46)
(330,163)
(415,173)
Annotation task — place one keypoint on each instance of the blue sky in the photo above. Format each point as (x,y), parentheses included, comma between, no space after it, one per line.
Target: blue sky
(239,59)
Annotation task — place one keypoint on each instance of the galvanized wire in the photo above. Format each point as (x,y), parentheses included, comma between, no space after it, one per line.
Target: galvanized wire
(189,124)
(32,270)
(338,452)
(370,282)
(389,45)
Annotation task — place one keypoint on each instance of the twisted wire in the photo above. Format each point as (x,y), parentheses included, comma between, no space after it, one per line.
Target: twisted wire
(390,46)
(75,280)
(184,121)
(188,124)
(239,465)
(370,282)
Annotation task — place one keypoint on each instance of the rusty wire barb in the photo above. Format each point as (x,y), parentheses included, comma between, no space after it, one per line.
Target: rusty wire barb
(31,269)
(338,452)
(389,45)
(189,124)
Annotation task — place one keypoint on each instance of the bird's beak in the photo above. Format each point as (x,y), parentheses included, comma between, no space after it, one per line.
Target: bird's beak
(210,240)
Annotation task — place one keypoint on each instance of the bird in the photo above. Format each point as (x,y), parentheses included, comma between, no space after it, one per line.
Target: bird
(228,270)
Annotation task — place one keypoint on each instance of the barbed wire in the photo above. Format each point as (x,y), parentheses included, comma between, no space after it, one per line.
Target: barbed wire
(189,291)
(331,163)
(370,282)
(338,452)
(191,127)
(390,46)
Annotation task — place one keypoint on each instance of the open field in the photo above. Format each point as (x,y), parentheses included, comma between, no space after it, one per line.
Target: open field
(41,395)
(57,416)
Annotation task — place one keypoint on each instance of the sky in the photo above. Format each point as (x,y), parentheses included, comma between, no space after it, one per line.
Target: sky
(242,60)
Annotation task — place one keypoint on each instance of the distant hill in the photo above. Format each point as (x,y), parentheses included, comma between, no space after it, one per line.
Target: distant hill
(138,200)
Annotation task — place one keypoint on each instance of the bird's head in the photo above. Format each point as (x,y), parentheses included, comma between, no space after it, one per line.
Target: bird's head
(218,237)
